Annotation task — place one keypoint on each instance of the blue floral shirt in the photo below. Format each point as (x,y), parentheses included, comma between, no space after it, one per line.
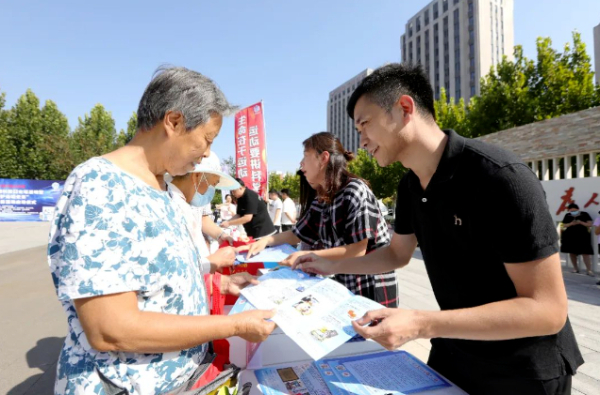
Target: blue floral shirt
(113,233)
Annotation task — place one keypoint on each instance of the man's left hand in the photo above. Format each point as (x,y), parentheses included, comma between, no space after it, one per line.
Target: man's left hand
(390,327)
(232,285)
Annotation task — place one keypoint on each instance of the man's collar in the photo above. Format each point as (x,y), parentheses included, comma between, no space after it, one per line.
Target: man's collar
(448,162)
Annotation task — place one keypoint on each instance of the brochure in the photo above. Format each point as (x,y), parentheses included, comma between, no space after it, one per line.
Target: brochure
(269,254)
(390,372)
(315,313)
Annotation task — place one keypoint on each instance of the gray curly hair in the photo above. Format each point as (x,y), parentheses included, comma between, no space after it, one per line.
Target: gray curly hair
(188,92)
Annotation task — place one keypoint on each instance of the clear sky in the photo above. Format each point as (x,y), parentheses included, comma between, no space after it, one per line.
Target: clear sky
(290,54)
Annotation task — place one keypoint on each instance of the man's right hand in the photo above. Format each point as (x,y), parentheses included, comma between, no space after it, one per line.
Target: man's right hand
(312,263)
(253,326)
(223,257)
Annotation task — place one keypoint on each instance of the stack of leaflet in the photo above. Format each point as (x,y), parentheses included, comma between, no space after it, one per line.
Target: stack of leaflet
(385,373)
(270,256)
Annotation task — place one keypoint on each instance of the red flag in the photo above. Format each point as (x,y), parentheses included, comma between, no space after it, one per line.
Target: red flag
(251,148)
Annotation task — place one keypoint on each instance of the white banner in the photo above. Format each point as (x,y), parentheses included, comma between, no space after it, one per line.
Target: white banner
(585,192)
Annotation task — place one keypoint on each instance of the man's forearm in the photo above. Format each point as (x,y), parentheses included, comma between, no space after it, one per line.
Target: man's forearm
(508,319)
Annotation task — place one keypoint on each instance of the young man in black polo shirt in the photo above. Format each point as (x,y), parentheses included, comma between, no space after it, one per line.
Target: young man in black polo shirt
(488,241)
(251,212)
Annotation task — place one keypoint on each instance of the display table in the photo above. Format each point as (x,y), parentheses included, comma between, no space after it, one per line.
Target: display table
(279,351)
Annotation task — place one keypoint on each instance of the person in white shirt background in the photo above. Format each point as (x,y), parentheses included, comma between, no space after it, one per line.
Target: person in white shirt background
(288,218)
(227,209)
(275,208)
(194,192)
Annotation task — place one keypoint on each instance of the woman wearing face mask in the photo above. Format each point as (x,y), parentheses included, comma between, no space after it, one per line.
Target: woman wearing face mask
(576,239)
(340,218)
(194,192)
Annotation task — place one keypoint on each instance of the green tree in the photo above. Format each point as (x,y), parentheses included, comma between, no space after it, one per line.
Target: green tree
(275,181)
(24,125)
(125,137)
(9,166)
(523,91)
(53,148)
(450,115)
(291,181)
(230,163)
(94,135)
(383,180)
(564,82)
(505,99)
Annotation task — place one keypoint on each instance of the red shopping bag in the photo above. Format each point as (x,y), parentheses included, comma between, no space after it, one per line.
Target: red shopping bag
(251,268)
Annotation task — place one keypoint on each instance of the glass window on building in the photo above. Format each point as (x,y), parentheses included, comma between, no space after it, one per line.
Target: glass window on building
(435,10)
(418,23)
(426,17)
(445,5)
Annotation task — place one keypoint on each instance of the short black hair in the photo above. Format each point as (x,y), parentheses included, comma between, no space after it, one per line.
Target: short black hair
(572,205)
(286,191)
(386,84)
(239,180)
(276,192)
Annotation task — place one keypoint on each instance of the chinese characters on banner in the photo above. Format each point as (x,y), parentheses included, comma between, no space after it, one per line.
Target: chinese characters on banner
(28,200)
(583,191)
(251,148)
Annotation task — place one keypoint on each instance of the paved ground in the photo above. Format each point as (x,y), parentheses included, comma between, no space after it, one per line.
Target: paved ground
(33,325)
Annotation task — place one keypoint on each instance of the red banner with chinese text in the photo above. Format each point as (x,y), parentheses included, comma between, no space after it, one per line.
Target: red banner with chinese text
(251,148)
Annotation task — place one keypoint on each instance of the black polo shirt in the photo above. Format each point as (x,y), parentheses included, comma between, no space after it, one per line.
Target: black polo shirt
(261,224)
(483,208)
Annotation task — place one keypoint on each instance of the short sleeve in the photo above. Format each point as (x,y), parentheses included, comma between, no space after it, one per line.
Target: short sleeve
(403,221)
(93,240)
(525,231)
(362,214)
(597,222)
(206,209)
(306,228)
(251,204)
(567,219)
(585,217)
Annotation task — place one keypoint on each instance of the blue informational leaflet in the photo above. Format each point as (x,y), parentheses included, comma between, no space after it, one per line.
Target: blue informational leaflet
(301,379)
(269,254)
(386,373)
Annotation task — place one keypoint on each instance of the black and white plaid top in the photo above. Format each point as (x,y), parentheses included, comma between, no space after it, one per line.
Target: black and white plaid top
(353,216)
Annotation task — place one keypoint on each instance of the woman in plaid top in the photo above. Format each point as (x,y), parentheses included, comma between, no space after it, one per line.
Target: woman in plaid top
(340,218)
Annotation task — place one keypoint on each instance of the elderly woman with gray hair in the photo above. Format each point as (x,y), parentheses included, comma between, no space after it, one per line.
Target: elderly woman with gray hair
(123,261)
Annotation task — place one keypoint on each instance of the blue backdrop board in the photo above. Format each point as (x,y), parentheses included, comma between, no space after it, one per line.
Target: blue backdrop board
(28,200)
